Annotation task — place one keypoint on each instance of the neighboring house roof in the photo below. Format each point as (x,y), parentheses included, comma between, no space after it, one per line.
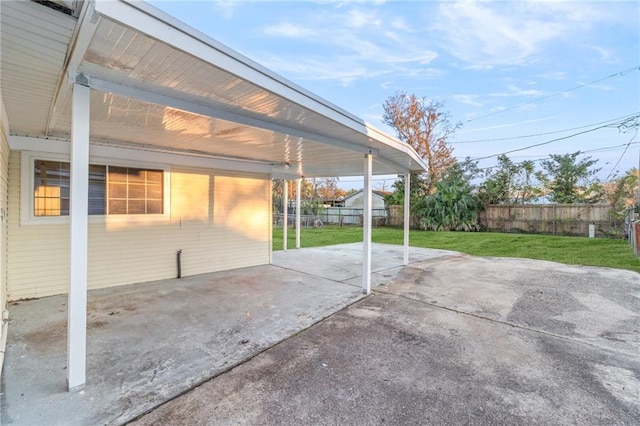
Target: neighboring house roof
(375,193)
(160,85)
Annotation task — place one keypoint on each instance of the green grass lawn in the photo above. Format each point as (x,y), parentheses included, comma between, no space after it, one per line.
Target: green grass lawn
(571,250)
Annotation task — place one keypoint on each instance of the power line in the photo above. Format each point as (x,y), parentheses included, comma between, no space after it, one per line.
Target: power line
(623,153)
(618,74)
(635,114)
(625,125)
(601,149)
(541,143)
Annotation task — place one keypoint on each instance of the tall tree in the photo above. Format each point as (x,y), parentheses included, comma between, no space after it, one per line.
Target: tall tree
(622,192)
(467,170)
(326,188)
(424,125)
(526,189)
(568,180)
(508,183)
(417,191)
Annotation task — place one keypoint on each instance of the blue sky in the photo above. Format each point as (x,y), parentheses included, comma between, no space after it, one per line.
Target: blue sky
(506,70)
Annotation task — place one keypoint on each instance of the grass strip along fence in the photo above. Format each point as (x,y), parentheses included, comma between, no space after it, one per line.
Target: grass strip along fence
(603,252)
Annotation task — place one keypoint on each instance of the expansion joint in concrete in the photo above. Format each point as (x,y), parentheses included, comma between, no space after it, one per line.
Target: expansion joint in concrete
(509,324)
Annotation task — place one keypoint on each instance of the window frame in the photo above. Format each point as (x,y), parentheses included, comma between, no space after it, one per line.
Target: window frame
(27,202)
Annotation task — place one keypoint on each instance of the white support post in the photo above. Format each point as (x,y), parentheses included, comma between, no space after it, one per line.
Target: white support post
(407,209)
(366,225)
(285,214)
(78,235)
(298,184)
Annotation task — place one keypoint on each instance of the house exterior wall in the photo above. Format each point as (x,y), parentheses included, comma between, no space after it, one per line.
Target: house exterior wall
(4,185)
(357,201)
(220,220)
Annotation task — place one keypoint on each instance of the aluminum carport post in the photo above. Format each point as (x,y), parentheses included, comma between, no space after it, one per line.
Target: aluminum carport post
(285,213)
(78,236)
(298,182)
(407,206)
(366,225)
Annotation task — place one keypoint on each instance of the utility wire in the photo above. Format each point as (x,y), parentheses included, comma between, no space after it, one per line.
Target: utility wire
(635,114)
(613,169)
(618,74)
(625,125)
(541,143)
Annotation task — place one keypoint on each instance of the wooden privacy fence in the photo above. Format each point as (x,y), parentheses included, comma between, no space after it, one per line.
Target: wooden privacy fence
(554,219)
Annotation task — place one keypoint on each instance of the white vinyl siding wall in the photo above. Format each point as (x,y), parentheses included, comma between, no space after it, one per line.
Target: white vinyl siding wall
(4,189)
(219,220)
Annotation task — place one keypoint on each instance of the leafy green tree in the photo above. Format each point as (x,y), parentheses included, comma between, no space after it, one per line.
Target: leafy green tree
(526,189)
(467,170)
(452,207)
(417,191)
(568,180)
(424,125)
(622,192)
(509,183)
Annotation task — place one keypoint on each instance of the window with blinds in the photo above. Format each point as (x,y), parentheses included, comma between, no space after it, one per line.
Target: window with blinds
(113,190)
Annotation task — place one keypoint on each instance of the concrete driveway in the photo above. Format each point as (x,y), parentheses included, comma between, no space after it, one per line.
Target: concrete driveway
(452,340)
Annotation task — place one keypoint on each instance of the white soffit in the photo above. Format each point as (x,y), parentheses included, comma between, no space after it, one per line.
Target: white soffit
(158,83)
(33,46)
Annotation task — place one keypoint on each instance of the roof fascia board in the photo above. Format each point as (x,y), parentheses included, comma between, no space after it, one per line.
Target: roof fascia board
(160,26)
(377,134)
(394,165)
(159,99)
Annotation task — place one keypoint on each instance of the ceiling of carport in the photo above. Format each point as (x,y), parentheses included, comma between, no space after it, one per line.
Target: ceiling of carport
(158,84)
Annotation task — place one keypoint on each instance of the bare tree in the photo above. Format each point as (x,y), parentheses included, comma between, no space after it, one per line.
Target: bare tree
(424,125)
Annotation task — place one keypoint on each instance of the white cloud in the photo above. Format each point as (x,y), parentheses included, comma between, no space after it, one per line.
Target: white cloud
(343,70)
(359,18)
(400,24)
(605,54)
(226,8)
(467,99)
(514,90)
(598,86)
(486,35)
(553,75)
(393,36)
(421,72)
(356,45)
(502,126)
(287,29)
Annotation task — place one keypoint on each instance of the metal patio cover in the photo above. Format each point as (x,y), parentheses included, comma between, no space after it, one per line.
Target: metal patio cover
(160,85)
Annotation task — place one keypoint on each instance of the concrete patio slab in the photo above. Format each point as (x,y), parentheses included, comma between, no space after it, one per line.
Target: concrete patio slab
(343,262)
(392,360)
(452,340)
(149,342)
(598,306)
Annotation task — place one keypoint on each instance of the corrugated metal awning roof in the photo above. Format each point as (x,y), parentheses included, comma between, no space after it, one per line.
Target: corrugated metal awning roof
(160,85)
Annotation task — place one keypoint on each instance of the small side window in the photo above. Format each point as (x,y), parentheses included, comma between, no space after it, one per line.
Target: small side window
(51,188)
